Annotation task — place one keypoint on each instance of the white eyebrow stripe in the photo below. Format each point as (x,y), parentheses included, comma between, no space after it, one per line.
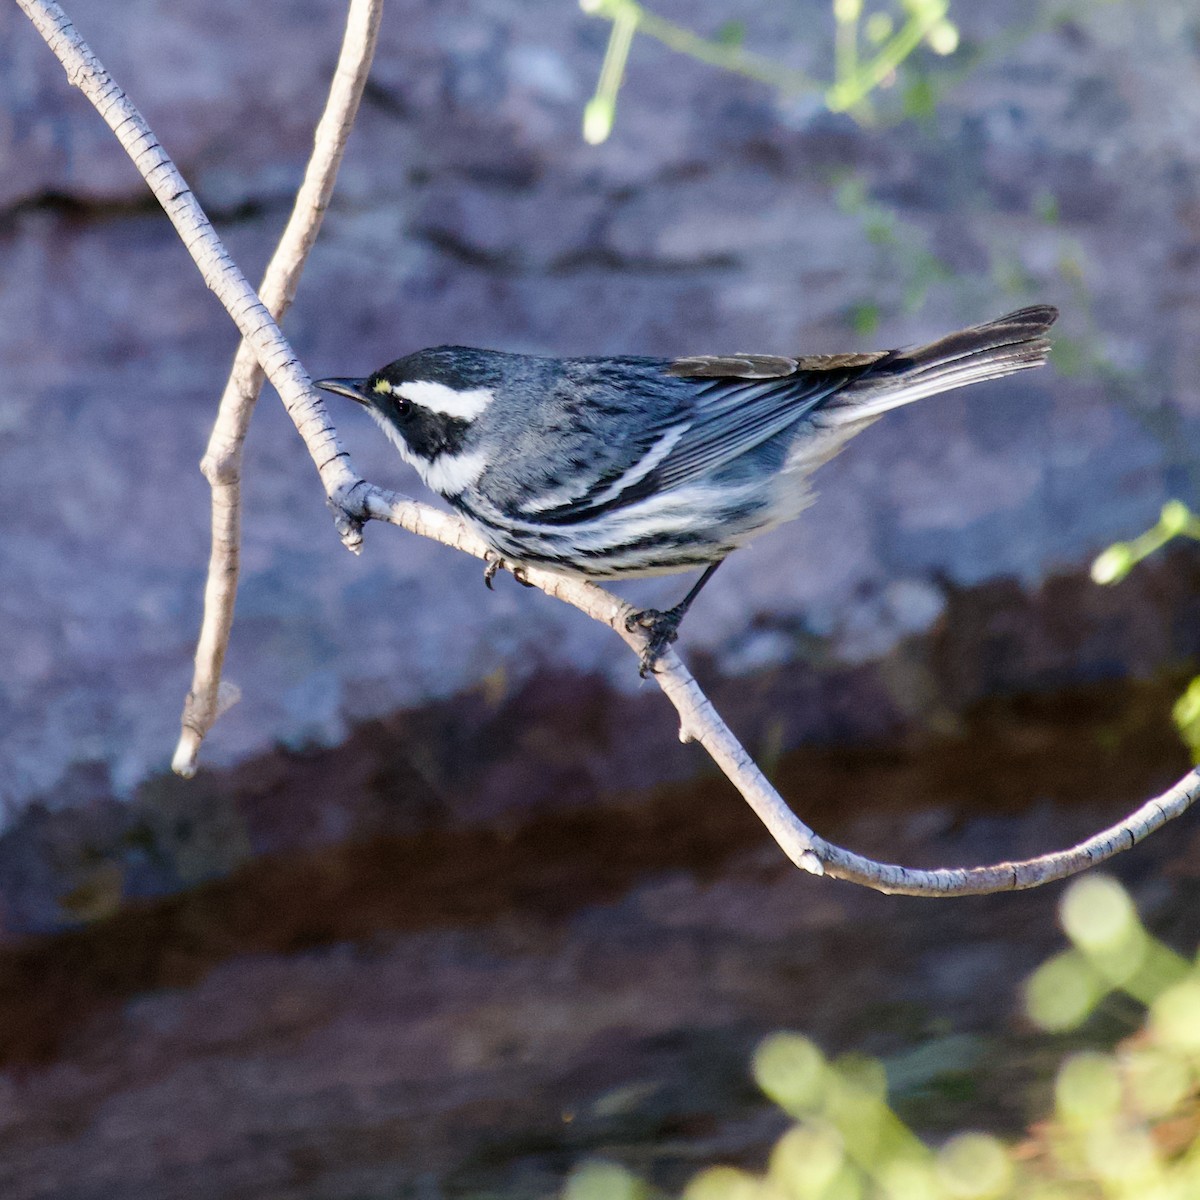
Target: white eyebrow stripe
(438,398)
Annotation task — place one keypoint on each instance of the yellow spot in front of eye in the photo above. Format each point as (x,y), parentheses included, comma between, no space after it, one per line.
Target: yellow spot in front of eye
(383,386)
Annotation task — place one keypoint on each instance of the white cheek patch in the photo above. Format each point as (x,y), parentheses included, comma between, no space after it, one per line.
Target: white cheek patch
(438,398)
(451,474)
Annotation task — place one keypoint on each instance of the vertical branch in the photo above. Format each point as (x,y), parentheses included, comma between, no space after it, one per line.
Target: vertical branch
(601,109)
(217,268)
(846,15)
(355,502)
(222,462)
(924,19)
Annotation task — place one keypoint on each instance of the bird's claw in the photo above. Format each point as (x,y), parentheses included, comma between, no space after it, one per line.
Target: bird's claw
(662,628)
(495,563)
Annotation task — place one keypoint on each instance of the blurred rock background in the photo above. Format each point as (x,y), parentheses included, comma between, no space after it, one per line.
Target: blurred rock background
(397,717)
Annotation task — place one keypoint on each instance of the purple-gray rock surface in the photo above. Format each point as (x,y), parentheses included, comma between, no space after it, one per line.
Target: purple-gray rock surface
(444,922)
(719,216)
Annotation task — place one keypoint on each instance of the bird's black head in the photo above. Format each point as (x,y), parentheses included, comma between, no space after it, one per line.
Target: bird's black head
(428,402)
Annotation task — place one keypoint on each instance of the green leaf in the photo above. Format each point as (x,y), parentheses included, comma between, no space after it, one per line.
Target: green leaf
(1186,715)
(864,318)
(879,28)
(731,34)
(920,97)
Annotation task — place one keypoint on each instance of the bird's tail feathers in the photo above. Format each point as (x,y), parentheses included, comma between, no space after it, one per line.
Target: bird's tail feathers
(1001,347)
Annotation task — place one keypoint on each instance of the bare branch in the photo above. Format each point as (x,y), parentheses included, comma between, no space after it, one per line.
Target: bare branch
(354,502)
(222,462)
(219,271)
(700,722)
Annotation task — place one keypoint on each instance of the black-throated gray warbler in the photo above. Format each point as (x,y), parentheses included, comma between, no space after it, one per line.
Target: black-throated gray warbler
(612,467)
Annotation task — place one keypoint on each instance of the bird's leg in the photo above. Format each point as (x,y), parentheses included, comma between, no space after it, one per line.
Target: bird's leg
(663,627)
(496,562)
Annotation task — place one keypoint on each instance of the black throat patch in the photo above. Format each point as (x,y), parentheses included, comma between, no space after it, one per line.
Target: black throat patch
(425,432)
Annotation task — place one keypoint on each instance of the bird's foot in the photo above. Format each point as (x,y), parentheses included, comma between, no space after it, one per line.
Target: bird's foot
(662,628)
(495,563)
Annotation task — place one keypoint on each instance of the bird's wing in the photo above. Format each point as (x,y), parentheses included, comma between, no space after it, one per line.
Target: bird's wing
(729,406)
(767,366)
(746,400)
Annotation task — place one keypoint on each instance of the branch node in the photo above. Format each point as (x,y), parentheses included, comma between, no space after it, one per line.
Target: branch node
(808,861)
(200,714)
(221,470)
(354,502)
(350,513)
(187,753)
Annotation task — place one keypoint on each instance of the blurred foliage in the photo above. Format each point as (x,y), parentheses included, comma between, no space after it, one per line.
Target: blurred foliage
(1114,563)
(1124,1123)
(868,50)
(910,262)
(912,267)
(869,47)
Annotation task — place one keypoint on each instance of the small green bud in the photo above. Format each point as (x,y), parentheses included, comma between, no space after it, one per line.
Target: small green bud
(598,119)
(1174,517)
(1113,564)
(943,38)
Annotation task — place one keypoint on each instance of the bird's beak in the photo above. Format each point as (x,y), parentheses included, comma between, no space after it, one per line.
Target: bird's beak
(353,388)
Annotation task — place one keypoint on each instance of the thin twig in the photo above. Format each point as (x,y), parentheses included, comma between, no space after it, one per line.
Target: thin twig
(700,722)
(354,502)
(735,58)
(218,270)
(222,462)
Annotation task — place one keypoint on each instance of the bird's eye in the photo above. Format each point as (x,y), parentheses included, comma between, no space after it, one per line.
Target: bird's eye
(403,404)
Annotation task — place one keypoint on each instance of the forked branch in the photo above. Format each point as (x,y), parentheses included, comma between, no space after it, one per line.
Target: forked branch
(222,462)
(700,722)
(354,502)
(218,270)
